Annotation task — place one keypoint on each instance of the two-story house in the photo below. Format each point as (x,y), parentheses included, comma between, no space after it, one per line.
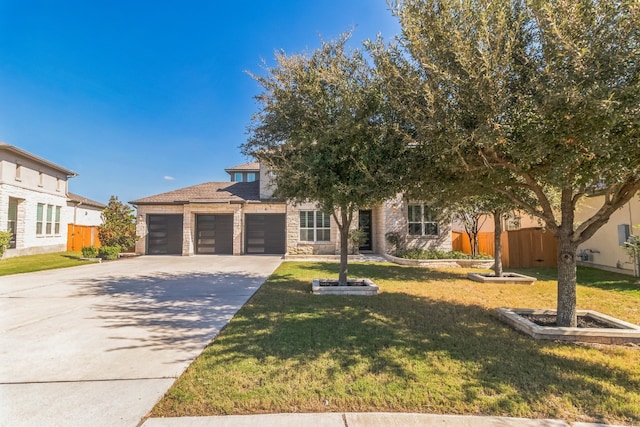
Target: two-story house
(35,204)
(242,217)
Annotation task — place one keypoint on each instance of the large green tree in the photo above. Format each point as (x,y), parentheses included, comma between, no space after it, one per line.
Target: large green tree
(322,131)
(536,99)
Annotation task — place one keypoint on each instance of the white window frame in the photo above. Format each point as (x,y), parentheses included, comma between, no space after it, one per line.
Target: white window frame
(315,226)
(425,223)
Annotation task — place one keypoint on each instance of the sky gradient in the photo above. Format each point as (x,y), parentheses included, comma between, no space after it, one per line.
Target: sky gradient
(142,97)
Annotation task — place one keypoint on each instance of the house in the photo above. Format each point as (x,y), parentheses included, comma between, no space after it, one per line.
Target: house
(605,249)
(35,204)
(242,217)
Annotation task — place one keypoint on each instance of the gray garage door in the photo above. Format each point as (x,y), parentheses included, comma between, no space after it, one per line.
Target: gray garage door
(265,234)
(165,234)
(214,234)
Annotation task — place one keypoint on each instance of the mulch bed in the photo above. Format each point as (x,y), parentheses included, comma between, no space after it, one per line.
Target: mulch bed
(583,321)
(349,283)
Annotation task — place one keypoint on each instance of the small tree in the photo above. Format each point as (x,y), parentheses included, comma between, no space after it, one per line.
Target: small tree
(5,239)
(322,131)
(118,225)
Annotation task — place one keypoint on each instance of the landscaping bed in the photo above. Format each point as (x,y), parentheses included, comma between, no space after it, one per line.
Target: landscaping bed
(429,342)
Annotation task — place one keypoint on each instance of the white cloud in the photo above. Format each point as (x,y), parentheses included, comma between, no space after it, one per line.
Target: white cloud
(169,178)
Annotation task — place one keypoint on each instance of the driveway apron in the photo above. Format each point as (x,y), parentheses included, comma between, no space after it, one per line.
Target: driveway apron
(100,344)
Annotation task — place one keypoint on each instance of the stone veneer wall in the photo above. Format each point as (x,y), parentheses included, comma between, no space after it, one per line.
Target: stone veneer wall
(297,247)
(392,218)
(27,242)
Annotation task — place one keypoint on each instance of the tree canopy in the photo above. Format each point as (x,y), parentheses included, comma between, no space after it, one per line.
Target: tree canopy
(536,100)
(323,131)
(118,225)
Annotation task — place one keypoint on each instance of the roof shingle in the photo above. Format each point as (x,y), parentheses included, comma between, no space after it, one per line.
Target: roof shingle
(209,192)
(252,166)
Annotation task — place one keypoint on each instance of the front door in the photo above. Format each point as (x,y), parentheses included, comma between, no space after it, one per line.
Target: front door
(364,223)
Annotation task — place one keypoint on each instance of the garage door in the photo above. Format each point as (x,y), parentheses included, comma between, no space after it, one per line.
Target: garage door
(165,234)
(214,234)
(265,234)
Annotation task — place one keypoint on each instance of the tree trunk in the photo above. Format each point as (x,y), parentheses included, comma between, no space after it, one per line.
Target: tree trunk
(497,242)
(344,225)
(567,300)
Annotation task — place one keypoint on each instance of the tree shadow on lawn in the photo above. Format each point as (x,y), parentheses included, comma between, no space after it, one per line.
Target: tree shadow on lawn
(434,348)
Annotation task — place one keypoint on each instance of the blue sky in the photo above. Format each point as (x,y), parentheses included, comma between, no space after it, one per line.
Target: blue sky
(143,97)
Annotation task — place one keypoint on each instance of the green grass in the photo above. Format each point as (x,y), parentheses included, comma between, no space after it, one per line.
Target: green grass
(429,342)
(26,264)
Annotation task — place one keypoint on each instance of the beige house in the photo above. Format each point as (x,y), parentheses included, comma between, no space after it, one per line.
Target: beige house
(35,204)
(242,217)
(605,249)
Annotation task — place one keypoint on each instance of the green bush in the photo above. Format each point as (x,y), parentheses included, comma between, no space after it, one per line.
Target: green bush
(89,252)
(435,254)
(5,238)
(109,252)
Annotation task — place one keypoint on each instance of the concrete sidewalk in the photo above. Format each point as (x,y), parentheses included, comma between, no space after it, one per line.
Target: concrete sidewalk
(372,419)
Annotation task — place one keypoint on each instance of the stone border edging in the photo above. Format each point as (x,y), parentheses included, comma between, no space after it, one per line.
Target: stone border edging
(627,332)
(463,263)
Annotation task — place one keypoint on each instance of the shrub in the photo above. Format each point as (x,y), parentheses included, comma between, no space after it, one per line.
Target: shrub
(435,254)
(5,238)
(109,252)
(89,252)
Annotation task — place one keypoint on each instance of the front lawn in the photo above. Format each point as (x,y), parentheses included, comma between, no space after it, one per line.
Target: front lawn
(430,342)
(26,264)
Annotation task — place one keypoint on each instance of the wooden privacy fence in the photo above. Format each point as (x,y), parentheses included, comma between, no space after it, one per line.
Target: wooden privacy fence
(79,236)
(524,248)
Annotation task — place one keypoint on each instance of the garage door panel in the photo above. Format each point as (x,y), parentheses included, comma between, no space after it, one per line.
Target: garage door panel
(265,234)
(214,234)
(165,234)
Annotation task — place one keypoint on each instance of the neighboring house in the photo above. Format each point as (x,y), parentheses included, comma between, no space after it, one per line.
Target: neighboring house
(85,212)
(33,202)
(242,217)
(605,249)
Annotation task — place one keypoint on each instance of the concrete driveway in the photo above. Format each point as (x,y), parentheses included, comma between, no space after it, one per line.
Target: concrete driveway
(100,344)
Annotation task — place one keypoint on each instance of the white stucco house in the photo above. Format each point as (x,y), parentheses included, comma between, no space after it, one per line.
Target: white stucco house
(35,204)
(241,216)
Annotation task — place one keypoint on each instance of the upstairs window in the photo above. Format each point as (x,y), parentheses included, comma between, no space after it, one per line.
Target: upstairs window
(315,226)
(251,176)
(237,176)
(422,221)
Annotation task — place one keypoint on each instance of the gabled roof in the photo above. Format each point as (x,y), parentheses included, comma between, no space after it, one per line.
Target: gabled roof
(15,150)
(251,167)
(209,192)
(79,200)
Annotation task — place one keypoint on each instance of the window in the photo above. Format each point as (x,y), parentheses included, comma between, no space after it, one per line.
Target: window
(48,219)
(422,221)
(251,176)
(513,221)
(11,223)
(40,179)
(315,226)
(57,223)
(39,217)
(237,176)
(18,172)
